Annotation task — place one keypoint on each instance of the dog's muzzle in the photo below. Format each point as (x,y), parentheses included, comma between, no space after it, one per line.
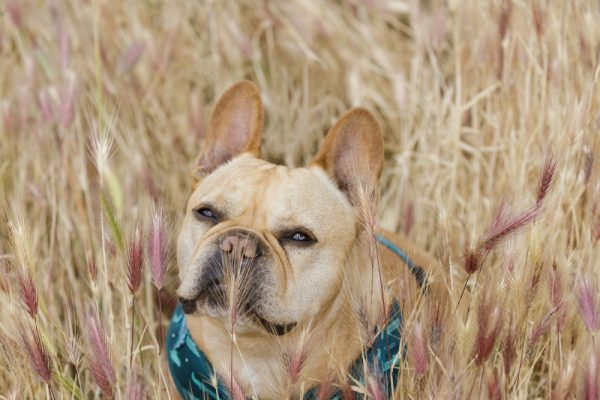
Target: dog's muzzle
(234,274)
(236,255)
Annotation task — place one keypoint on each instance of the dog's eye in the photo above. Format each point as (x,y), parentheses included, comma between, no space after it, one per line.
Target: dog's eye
(205,213)
(299,237)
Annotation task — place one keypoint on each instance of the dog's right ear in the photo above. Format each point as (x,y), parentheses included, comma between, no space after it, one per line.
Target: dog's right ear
(235,127)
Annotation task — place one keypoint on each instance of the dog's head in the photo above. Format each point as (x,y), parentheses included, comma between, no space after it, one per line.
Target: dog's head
(264,246)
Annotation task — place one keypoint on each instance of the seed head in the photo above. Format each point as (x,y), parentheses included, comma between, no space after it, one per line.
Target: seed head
(374,388)
(158,249)
(92,268)
(39,359)
(588,306)
(135,260)
(563,388)
(234,387)
(489,318)
(542,327)
(509,346)
(72,333)
(325,390)
(506,224)
(12,6)
(419,349)
(28,292)
(295,362)
(100,361)
(555,290)
(546,177)
(472,259)
(493,386)
(4,281)
(592,378)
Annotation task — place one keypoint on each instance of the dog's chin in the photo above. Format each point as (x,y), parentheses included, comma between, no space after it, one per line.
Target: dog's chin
(249,322)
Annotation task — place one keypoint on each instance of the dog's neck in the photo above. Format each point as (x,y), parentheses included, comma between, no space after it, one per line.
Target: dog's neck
(253,355)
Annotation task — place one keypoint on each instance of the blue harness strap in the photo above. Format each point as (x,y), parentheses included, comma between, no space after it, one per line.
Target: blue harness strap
(417,271)
(195,378)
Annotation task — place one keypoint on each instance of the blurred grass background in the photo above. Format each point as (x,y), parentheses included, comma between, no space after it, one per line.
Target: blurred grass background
(103,104)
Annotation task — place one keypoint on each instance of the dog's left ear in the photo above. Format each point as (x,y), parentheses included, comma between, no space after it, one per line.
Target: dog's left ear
(235,127)
(352,152)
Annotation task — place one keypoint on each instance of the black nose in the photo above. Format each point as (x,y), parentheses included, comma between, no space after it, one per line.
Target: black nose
(189,306)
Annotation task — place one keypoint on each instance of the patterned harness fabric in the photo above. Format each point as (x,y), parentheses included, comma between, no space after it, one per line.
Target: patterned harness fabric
(195,378)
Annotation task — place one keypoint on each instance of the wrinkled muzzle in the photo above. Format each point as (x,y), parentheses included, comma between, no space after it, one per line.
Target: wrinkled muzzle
(234,280)
(230,273)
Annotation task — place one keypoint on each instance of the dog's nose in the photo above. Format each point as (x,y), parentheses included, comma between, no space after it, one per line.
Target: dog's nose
(188,305)
(241,243)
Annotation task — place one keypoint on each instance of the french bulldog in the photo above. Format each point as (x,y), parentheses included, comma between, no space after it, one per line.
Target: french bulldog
(278,262)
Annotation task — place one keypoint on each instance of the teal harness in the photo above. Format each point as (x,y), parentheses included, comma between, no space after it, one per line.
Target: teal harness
(195,378)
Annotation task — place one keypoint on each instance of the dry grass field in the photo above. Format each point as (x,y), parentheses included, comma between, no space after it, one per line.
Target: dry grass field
(491,116)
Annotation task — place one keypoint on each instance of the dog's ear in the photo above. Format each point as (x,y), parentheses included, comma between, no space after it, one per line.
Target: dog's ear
(352,152)
(235,127)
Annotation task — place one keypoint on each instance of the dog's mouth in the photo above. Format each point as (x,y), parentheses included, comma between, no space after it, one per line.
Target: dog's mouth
(213,296)
(275,328)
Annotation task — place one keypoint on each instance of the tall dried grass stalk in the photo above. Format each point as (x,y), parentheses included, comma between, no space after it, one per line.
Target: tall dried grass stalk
(135,268)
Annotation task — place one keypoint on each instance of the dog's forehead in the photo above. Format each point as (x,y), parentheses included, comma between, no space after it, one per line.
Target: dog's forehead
(281,193)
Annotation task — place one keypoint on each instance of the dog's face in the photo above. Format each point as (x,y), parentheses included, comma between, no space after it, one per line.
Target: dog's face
(282,233)
(265,247)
